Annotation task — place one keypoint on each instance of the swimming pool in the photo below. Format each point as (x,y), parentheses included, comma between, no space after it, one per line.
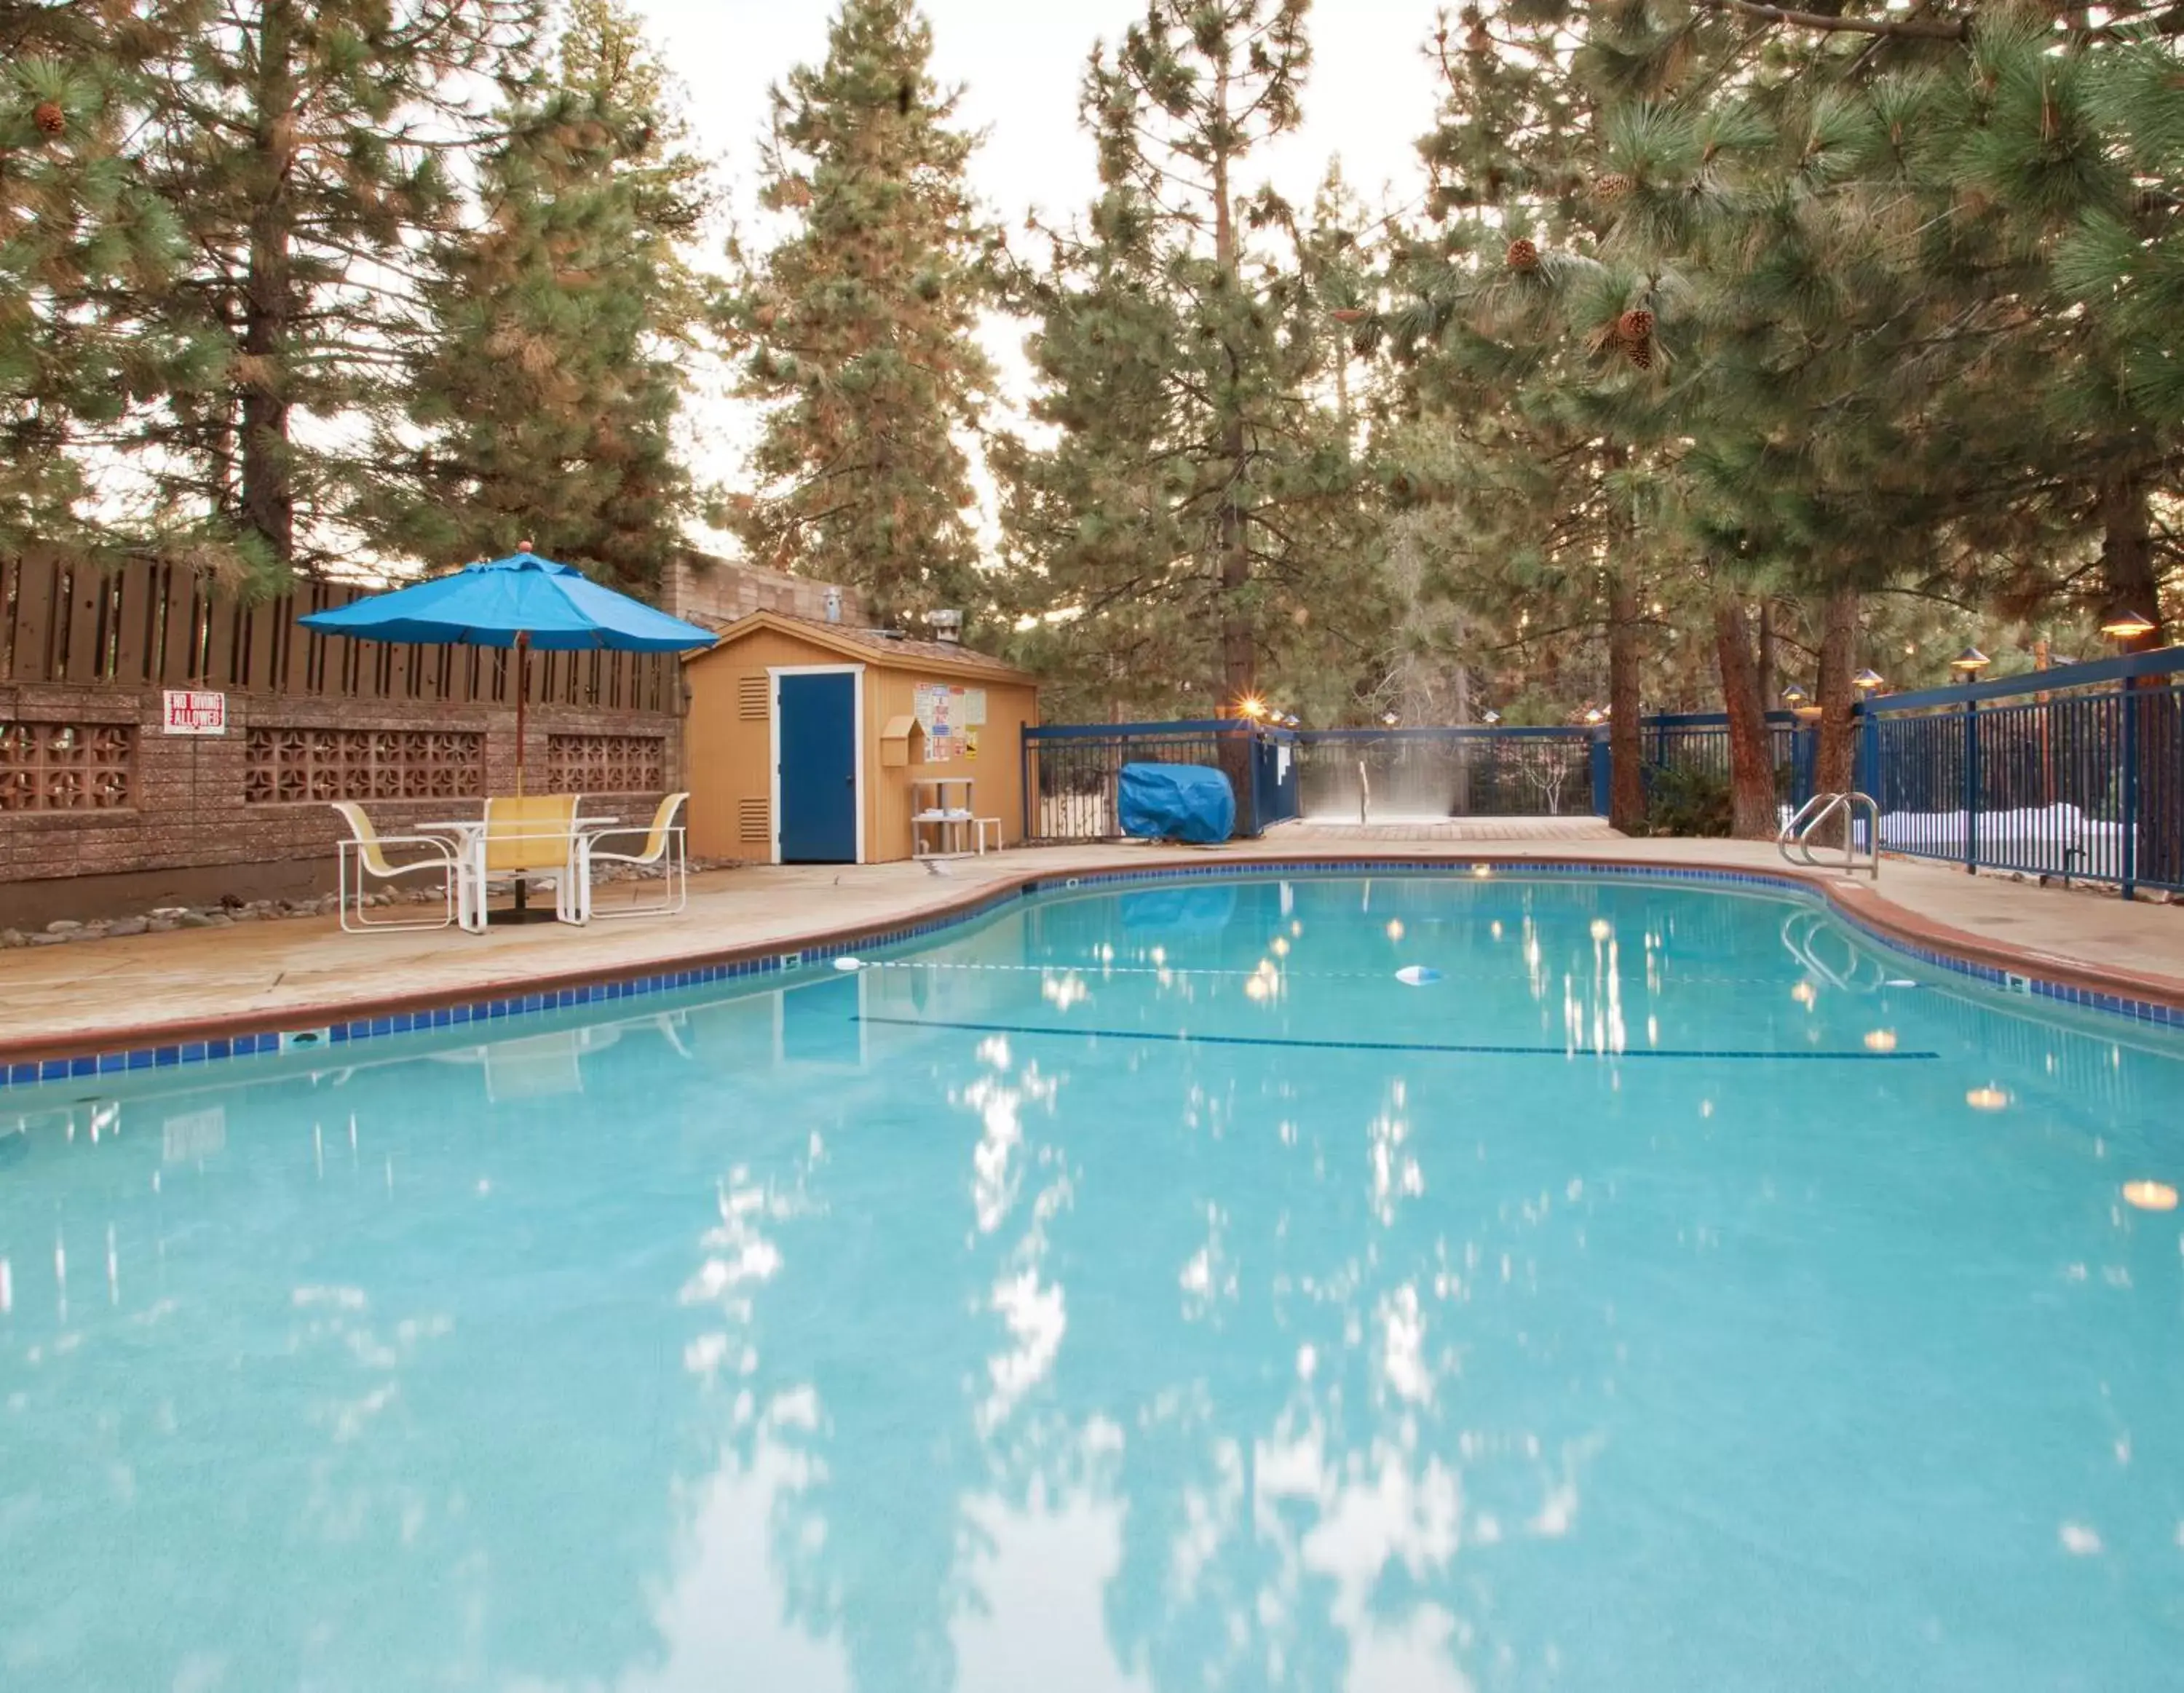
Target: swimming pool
(1396,1283)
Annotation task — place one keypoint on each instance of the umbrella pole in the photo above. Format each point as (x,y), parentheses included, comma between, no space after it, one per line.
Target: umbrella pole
(522,700)
(522,710)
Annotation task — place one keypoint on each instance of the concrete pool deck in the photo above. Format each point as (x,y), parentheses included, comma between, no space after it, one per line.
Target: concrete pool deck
(299,973)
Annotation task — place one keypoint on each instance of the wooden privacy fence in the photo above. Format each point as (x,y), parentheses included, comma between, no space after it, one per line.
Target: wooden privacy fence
(162,625)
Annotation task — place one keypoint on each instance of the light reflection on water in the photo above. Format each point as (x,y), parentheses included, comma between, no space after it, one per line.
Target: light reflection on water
(863,1335)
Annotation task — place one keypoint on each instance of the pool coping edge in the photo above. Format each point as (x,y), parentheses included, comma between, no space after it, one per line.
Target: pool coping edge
(2135,997)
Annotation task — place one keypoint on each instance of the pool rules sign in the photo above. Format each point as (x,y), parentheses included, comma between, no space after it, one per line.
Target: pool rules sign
(196,714)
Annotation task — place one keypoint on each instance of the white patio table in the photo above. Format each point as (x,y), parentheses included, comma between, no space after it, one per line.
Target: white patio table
(470,833)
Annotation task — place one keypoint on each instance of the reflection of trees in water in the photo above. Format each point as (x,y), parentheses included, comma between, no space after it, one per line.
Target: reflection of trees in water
(456,1458)
(1271,1354)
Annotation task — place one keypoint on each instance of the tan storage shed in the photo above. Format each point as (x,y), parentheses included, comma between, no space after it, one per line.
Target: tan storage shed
(804,739)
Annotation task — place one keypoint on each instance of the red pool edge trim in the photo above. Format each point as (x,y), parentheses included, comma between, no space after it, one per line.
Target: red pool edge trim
(2069,981)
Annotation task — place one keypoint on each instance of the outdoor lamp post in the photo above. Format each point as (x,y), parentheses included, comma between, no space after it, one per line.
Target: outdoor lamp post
(1489,718)
(1869,682)
(2127,626)
(1969,662)
(1594,716)
(1801,703)
(1388,719)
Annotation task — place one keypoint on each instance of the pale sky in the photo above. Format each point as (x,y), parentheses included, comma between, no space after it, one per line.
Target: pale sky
(1369,95)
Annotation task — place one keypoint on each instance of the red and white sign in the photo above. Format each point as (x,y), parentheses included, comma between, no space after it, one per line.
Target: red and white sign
(196,714)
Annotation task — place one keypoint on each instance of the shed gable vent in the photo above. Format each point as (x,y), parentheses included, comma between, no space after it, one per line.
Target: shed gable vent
(751,822)
(751,698)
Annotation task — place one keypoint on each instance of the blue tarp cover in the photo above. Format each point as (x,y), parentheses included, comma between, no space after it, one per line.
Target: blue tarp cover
(1176,802)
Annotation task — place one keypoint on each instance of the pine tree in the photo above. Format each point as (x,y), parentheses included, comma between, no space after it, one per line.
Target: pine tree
(1194,532)
(1883,382)
(549,361)
(1536,486)
(309,149)
(86,250)
(858,327)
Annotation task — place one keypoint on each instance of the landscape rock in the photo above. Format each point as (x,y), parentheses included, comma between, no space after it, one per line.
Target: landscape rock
(63,926)
(160,925)
(129,926)
(51,939)
(12,938)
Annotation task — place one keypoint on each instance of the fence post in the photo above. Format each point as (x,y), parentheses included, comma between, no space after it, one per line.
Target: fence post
(1971,787)
(1866,780)
(1023,756)
(2129,807)
(1603,780)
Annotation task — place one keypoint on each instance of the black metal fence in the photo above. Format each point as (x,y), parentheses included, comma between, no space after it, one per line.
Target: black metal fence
(2077,772)
(1697,743)
(1072,773)
(1420,775)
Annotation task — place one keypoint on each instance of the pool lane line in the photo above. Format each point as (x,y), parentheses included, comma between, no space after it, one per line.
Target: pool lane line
(1096,968)
(1458,1049)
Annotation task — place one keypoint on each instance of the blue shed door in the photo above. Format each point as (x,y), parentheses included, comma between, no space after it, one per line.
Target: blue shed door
(817,716)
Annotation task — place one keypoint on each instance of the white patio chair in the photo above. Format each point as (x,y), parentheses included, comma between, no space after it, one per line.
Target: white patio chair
(660,844)
(364,853)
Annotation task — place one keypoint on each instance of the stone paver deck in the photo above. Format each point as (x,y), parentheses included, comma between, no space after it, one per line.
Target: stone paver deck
(300,973)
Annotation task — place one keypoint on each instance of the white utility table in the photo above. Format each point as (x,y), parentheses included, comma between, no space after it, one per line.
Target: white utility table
(952,823)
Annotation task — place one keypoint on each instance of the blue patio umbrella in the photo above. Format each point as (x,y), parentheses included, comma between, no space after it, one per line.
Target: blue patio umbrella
(521,602)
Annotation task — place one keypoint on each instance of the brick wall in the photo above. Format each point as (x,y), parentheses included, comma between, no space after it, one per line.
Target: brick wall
(705,590)
(199,816)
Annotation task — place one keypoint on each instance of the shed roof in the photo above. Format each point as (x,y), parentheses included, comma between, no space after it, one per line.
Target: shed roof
(942,658)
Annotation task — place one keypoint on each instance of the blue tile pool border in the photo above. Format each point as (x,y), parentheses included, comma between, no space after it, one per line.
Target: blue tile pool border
(372,1025)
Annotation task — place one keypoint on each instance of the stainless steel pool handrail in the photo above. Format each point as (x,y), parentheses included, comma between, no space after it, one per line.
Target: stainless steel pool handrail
(1796,844)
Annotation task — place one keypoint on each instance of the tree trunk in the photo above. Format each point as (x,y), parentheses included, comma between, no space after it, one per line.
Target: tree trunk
(1751,751)
(2127,572)
(1835,767)
(1240,666)
(1767,671)
(268,496)
(1626,790)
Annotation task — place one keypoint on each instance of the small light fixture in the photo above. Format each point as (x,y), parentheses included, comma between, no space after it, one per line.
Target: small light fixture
(1880,1040)
(2127,626)
(1594,716)
(1289,721)
(1971,661)
(1866,680)
(1794,695)
(1252,706)
(2150,1195)
(1988,1099)
(1489,718)
(1390,719)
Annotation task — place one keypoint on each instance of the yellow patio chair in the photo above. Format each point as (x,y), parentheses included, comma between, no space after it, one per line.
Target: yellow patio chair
(364,854)
(660,844)
(529,835)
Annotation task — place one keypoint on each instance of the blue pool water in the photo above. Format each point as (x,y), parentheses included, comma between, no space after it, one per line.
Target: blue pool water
(1131,1290)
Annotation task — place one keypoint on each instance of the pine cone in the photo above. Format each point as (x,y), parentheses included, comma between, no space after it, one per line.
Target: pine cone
(1635,327)
(1523,256)
(49,117)
(1611,187)
(764,317)
(1640,353)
